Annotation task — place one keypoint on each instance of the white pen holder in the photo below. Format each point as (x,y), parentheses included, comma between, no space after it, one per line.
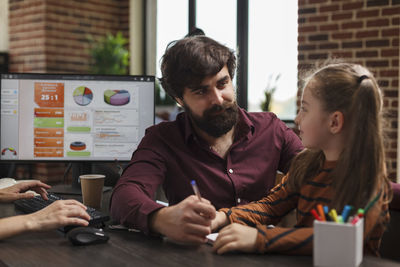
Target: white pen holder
(338,244)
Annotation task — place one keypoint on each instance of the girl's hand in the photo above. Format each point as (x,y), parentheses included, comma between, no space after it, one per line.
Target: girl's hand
(236,237)
(219,221)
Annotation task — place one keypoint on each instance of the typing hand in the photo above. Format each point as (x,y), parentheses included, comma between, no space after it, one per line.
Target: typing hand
(236,237)
(18,191)
(188,221)
(58,214)
(219,221)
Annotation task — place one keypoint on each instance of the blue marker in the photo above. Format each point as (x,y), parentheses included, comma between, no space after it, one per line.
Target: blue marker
(346,212)
(196,189)
(326,211)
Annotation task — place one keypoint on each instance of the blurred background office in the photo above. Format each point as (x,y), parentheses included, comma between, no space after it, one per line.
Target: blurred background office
(277,41)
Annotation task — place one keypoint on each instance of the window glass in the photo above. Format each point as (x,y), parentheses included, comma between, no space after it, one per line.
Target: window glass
(172,24)
(273,53)
(218,20)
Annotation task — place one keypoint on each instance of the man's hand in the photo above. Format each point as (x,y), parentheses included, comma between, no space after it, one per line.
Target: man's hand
(18,191)
(236,237)
(188,221)
(59,213)
(219,221)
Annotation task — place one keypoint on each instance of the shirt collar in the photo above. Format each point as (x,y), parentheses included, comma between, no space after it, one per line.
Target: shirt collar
(245,126)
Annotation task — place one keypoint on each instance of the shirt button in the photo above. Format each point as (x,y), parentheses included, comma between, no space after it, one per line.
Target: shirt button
(230,171)
(238,200)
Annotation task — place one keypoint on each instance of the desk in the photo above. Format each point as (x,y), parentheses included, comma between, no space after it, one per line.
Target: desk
(132,249)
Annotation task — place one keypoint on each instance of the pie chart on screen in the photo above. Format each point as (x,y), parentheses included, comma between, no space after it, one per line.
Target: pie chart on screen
(117,97)
(83,96)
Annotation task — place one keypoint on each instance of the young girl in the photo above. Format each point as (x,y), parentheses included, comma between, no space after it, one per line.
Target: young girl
(343,164)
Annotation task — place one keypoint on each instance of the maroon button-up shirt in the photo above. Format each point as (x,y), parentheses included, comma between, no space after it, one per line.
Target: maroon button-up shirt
(171,155)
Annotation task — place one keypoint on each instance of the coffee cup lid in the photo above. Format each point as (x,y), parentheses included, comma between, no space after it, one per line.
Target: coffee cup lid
(92,176)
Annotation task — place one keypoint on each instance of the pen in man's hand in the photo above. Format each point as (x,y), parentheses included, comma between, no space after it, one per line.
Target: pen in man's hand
(196,189)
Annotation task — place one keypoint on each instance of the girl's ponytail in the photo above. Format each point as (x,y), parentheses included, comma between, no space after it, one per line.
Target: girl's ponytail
(361,164)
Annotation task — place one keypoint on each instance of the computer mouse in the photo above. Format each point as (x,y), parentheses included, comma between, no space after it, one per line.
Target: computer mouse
(87,236)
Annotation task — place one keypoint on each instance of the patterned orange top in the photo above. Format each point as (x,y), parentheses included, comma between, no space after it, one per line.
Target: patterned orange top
(298,240)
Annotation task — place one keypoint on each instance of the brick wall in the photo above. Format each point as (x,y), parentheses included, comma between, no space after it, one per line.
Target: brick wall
(51,35)
(360,31)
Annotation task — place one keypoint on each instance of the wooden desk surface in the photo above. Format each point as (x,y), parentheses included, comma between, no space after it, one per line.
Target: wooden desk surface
(132,249)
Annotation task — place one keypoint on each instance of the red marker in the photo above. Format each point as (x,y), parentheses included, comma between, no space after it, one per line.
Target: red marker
(355,220)
(315,214)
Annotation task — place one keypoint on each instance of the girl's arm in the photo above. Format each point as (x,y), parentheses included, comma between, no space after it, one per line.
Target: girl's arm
(268,210)
(260,237)
(236,237)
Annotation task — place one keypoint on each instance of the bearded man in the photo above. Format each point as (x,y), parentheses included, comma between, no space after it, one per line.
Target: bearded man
(233,155)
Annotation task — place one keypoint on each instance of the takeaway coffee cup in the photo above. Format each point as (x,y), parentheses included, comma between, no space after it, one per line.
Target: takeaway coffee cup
(92,189)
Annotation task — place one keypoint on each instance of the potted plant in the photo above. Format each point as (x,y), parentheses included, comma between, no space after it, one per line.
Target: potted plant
(269,92)
(109,55)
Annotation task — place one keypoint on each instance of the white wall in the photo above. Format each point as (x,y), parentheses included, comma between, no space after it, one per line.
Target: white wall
(3,25)
(136,18)
(151,36)
(136,36)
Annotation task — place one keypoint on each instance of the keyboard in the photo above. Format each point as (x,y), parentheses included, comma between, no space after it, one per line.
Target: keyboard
(30,205)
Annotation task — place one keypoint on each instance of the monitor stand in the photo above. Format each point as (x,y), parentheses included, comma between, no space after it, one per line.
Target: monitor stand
(78,168)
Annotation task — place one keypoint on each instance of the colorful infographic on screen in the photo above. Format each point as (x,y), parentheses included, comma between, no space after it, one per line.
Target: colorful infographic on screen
(83,96)
(65,117)
(116,97)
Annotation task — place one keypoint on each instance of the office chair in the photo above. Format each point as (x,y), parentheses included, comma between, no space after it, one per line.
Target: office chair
(391,238)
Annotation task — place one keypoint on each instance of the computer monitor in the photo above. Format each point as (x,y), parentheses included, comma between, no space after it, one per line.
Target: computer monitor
(73,118)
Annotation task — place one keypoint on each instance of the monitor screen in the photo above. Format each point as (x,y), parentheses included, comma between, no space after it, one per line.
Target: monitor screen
(69,117)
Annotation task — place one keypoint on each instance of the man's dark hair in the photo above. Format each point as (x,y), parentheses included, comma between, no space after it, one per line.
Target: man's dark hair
(195,31)
(188,61)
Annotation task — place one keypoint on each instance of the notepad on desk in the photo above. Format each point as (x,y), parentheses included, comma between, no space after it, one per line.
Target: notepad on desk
(211,238)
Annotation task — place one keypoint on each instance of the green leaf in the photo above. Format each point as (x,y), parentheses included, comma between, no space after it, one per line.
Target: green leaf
(109,55)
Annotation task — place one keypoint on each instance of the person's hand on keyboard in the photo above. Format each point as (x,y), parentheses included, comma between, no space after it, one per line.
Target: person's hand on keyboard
(58,214)
(18,191)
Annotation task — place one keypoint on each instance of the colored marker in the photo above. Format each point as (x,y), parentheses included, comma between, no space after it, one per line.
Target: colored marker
(315,214)
(326,210)
(360,213)
(370,204)
(321,212)
(196,189)
(340,219)
(333,215)
(355,220)
(346,212)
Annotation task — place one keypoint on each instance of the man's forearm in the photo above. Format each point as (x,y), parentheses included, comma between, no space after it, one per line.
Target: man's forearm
(156,221)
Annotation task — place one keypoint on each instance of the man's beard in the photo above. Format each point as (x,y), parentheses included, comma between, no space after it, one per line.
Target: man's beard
(213,124)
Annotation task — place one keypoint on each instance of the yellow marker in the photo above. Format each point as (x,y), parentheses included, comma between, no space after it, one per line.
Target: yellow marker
(333,215)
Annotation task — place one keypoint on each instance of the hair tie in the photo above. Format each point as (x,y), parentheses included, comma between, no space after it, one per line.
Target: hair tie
(361,78)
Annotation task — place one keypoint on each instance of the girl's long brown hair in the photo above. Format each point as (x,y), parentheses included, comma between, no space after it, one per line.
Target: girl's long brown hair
(360,171)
